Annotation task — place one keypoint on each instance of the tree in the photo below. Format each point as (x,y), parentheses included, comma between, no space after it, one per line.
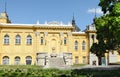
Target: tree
(99,49)
(108,30)
(107,5)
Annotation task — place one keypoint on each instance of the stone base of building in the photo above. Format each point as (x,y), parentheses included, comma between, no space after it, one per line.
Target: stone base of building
(54,59)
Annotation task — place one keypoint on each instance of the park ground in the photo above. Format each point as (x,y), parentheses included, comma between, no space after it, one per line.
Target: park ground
(79,70)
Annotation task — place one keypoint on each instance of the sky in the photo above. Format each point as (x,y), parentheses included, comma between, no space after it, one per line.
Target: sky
(31,11)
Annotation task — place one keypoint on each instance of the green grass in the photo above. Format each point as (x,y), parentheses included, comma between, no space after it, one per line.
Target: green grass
(31,71)
(20,67)
(78,65)
(38,71)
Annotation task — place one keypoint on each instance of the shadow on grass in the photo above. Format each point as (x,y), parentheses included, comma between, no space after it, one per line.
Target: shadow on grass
(97,72)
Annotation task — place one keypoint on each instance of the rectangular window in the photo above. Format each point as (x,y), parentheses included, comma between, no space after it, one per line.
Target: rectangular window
(6,41)
(17,41)
(5,62)
(65,41)
(76,45)
(29,41)
(76,59)
(41,41)
(84,59)
(83,47)
(76,48)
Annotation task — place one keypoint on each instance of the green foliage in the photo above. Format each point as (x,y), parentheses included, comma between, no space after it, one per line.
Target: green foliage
(33,72)
(99,49)
(116,9)
(107,5)
(96,72)
(108,29)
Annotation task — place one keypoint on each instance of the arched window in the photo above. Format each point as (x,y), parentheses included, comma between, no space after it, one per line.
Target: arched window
(28,60)
(6,39)
(83,45)
(17,39)
(5,60)
(65,41)
(17,60)
(76,45)
(41,41)
(29,40)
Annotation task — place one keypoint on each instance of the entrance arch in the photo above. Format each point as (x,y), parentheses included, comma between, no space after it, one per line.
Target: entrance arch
(53,48)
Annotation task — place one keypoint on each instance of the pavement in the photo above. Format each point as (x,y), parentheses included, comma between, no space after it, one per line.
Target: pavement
(108,67)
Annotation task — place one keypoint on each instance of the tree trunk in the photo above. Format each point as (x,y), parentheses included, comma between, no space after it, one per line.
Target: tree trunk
(99,60)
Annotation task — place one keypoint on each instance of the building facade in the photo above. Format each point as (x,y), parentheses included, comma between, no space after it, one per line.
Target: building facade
(35,44)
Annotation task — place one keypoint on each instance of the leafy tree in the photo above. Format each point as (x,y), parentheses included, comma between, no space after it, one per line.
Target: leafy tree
(108,30)
(99,49)
(107,5)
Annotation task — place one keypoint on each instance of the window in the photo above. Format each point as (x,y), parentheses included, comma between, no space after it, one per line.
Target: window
(65,41)
(17,60)
(17,39)
(29,40)
(84,59)
(83,45)
(76,59)
(5,60)
(41,41)
(28,60)
(76,45)
(6,39)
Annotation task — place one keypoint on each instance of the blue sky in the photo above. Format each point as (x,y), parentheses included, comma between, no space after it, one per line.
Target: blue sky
(29,11)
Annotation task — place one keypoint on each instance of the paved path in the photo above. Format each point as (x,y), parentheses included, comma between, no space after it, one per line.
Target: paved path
(109,67)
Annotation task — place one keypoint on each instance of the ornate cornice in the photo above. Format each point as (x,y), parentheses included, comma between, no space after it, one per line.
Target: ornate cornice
(36,27)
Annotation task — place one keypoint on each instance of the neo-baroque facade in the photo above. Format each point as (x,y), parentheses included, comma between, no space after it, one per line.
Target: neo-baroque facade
(29,44)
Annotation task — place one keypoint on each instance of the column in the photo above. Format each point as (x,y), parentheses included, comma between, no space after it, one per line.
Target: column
(90,38)
(95,38)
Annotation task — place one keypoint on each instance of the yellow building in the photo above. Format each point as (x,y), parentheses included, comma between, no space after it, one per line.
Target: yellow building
(42,44)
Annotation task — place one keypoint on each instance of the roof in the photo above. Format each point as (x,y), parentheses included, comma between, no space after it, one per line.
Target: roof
(78,32)
(54,23)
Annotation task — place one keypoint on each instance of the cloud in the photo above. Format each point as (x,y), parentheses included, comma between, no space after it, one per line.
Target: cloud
(93,10)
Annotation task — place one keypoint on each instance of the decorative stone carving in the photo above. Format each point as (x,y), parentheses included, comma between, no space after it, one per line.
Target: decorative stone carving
(37,33)
(54,23)
(53,54)
(61,34)
(68,58)
(45,33)
(42,58)
(69,34)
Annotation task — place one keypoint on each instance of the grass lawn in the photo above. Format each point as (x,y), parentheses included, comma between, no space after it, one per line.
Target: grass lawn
(37,71)
(20,67)
(78,65)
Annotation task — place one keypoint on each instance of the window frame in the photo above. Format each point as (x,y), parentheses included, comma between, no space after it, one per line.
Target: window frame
(28,60)
(76,45)
(17,40)
(29,40)
(5,60)
(6,39)
(17,60)
(83,45)
(41,40)
(65,40)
